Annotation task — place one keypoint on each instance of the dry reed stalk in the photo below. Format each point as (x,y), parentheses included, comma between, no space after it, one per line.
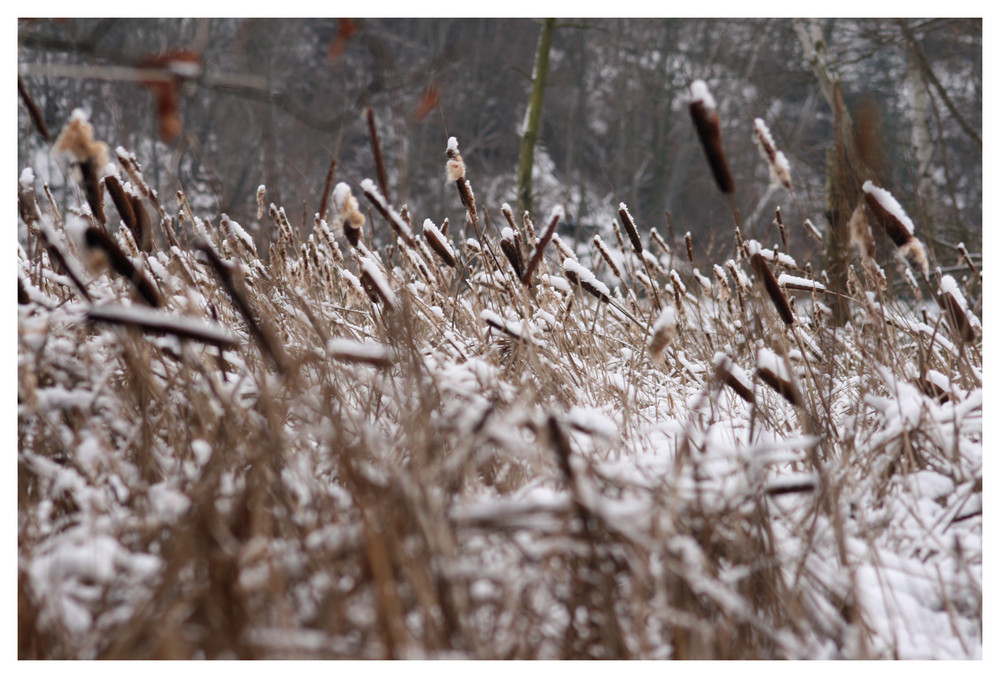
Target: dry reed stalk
(33,111)
(100,242)
(706,123)
(812,230)
(377,152)
(327,184)
(766,277)
(539,252)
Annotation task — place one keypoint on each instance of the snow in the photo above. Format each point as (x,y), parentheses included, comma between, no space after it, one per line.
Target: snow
(889,203)
(700,93)
(27,179)
(587,278)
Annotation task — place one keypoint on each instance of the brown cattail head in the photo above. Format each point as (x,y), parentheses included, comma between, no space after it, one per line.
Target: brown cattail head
(706,123)
(766,277)
(952,302)
(689,243)
(860,233)
(776,160)
(578,275)
(436,239)
(629,224)
(888,213)
(536,256)
(348,215)
(730,374)
(512,251)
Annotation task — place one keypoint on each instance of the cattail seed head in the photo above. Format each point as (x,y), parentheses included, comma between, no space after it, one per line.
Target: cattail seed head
(348,215)
(629,224)
(455,165)
(261,192)
(664,332)
(776,160)
(767,279)
(888,213)
(706,123)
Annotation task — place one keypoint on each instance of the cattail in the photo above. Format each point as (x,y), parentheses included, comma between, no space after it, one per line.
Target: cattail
(121,202)
(776,160)
(725,293)
(812,230)
(860,233)
(629,224)
(952,302)
(444,226)
(781,227)
(382,207)
(967,259)
(730,374)
(896,224)
(99,242)
(689,243)
(375,283)
(766,277)
(664,332)
(658,239)
(536,257)
(77,141)
(582,277)
(159,322)
(456,174)
(348,215)
(261,193)
(262,334)
(772,371)
(439,243)
(706,122)
(606,255)
(564,249)
(512,251)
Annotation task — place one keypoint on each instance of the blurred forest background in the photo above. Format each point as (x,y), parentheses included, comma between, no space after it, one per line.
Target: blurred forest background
(276,101)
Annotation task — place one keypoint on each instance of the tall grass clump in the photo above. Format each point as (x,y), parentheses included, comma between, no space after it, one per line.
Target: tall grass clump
(408,444)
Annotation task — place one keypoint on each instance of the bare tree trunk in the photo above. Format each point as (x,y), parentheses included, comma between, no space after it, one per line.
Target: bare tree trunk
(842,184)
(533,116)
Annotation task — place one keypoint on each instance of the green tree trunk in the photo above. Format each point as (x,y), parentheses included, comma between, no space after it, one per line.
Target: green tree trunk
(533,116)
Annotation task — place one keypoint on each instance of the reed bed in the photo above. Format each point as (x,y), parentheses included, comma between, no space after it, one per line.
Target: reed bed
(440,446)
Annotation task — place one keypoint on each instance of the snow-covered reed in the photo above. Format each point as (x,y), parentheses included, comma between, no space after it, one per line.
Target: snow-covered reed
(421,451)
